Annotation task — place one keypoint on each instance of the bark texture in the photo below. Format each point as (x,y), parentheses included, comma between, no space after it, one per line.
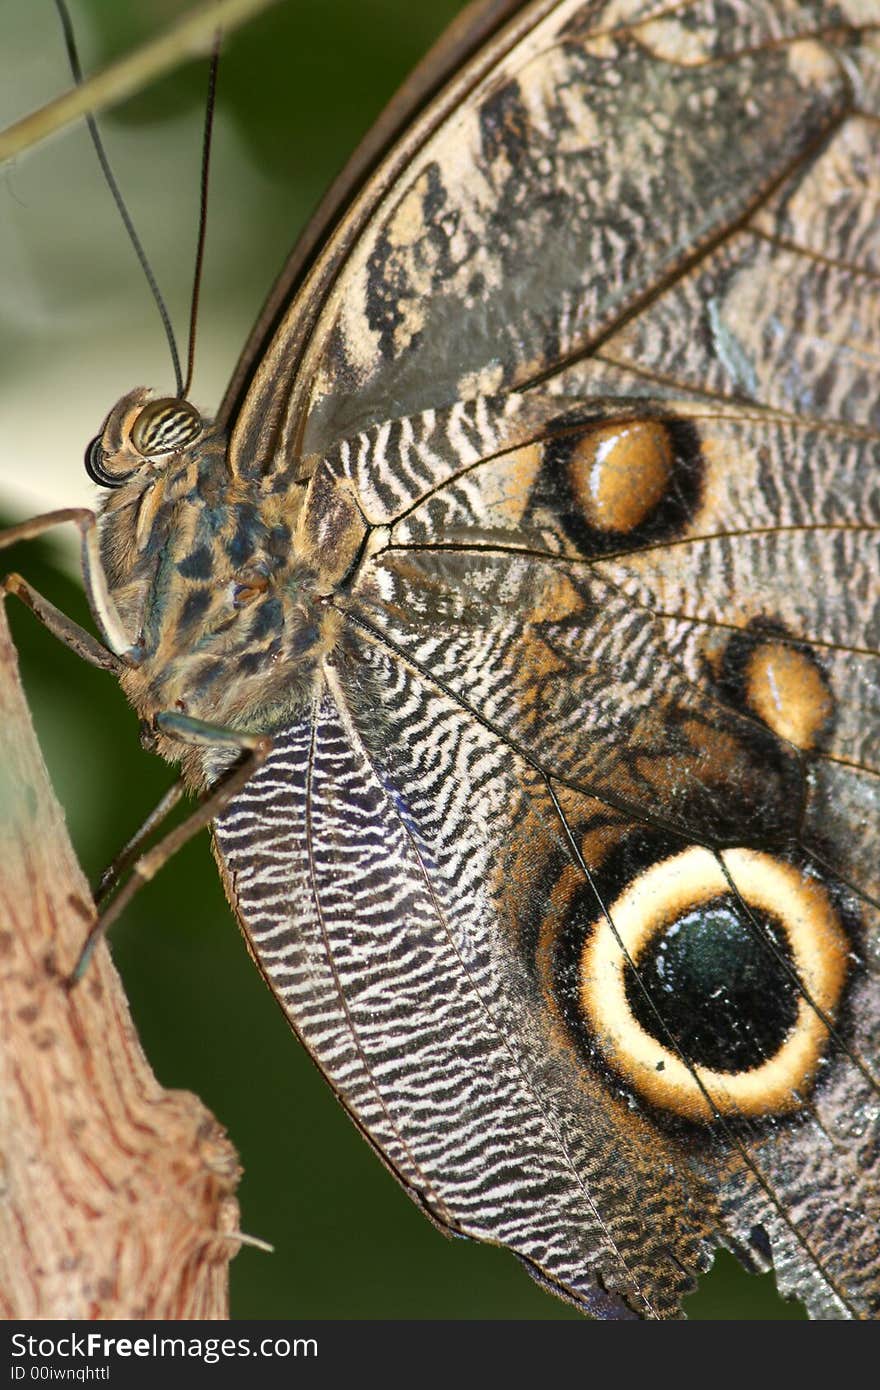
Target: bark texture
(116,1196)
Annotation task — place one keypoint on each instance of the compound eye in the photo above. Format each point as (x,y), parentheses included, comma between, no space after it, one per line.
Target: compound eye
(96,461)
(165,427)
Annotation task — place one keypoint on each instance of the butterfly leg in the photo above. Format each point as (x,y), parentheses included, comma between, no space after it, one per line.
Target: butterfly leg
(62,627)
(197,733)
(100,601)
(131,851)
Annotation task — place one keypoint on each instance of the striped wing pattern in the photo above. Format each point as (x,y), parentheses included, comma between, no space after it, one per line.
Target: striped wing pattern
(599,382)
(372,944)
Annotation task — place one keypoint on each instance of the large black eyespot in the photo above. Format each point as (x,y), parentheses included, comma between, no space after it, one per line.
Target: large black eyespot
(166,426)
(94,461)
(709,982)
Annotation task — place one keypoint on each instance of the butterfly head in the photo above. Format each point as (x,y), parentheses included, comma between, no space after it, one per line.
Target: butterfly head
(142,432)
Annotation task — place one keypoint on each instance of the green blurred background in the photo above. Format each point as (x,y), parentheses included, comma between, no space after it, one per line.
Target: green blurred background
(297,89)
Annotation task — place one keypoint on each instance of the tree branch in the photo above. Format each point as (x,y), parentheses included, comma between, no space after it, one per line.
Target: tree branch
(116,1197)
(192,35)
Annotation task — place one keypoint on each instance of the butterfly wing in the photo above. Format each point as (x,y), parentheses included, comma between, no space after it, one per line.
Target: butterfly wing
(471,30)
(566,176)
(605,667)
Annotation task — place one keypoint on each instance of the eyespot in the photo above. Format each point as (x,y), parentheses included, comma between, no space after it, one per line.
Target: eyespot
(95,461)
(619,474)
(708,1002)
(785,687)
(165,426)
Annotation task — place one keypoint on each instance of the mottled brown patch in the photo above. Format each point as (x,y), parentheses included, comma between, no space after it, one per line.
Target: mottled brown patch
(598,836)
(558,599)
(717,750)
(508,484)
(535,663)
(789,692)
(620,473)
(331,531)
(505,129)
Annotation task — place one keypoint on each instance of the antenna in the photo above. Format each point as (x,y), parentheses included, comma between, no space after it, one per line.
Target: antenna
(203,212)
(73,58)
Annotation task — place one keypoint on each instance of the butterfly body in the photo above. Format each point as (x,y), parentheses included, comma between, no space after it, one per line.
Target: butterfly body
(539,534)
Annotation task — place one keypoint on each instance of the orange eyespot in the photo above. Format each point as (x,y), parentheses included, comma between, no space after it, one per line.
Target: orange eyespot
(165,426)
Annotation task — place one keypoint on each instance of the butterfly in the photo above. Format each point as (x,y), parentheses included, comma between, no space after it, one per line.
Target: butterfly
(545,550)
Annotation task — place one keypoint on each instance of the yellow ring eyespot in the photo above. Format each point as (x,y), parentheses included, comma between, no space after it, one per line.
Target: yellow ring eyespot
(650,909)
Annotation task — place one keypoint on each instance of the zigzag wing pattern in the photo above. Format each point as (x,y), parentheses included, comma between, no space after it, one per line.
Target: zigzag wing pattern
(370,925)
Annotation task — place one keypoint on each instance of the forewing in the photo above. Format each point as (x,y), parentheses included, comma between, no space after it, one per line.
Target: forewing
(472,30)
(576,171)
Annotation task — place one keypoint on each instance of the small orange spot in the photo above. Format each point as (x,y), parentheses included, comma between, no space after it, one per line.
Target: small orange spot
(788,691)
(621,472)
